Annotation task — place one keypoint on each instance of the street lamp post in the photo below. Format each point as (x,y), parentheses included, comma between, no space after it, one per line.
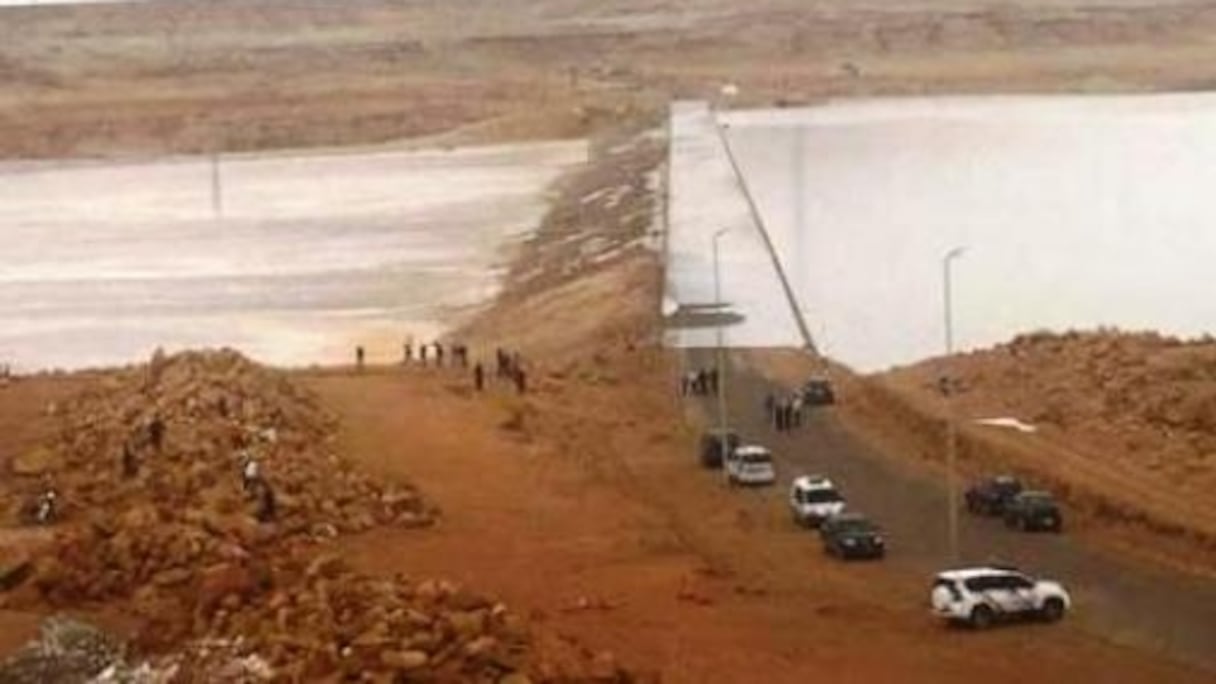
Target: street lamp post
(951,437)
(719,349)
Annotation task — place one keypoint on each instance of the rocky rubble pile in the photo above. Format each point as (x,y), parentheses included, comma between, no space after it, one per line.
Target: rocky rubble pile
(218,595)
(1141,398)
(66,651)
(182,506)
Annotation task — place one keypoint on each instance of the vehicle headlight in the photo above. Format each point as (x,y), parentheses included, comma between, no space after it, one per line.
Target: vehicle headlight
(849,541)
(878,540)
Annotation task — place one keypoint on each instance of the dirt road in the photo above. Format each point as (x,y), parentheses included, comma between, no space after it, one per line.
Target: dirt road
(1144,607)
(584,502)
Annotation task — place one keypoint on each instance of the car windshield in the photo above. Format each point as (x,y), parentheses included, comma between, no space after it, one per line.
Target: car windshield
(820,496)
(756,457)
(1037,499)
(855,525)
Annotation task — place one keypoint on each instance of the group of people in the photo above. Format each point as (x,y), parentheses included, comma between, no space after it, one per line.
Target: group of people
(701,382)
(785,413)
(510,366)
(459,353)
(426,353)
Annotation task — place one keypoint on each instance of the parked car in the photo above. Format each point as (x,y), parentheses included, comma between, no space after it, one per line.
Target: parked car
(1034,511)
(818,392)
(813,498)
(750,465)
(980,596)
(715,443)
(852,535)
(989,497)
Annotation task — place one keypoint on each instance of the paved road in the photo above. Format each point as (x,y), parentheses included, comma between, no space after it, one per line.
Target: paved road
(1157,609)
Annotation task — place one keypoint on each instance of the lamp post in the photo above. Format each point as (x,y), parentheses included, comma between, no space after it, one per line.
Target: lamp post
(719,350)
(951,437)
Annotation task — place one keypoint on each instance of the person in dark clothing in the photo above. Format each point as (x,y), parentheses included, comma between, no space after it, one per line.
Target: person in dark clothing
(130,465)
(521,380)
(407,353)
(359,353)
(438,354)
(479,377)
(265,511)
(770,405)
(500,358)
(156,432)
(713,381)
(422,353)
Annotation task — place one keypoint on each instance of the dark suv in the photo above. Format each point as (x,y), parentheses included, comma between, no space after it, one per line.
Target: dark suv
(712,446)
(1034,511)
(852,535)
(818,392)
(989,497)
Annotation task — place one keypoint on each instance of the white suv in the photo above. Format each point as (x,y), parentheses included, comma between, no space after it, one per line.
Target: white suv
(980,596)
(750,464)
(813,499)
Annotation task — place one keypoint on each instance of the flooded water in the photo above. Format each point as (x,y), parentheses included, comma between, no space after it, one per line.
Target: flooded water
(1075,211)
(295,260)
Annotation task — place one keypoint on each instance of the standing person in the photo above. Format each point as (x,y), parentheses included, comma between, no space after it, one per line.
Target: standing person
(407,353)
(250,473)
(500,358)
(47,510)
(422,354)
(265,511)
(796,407)
(359,357)
(770,405)
(713,381)
(479,377)
(130,466)
(439,355)
(156,432)
(521,380)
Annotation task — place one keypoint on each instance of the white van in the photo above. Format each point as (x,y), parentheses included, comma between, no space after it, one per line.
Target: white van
(750,465)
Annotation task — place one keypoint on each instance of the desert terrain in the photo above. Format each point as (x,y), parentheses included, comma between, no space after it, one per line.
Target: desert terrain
(430,531)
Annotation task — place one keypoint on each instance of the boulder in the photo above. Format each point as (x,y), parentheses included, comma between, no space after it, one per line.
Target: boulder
(404,661)
(36,462)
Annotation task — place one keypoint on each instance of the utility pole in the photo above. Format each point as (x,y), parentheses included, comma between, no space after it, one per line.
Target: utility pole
(217,190)
(720,351)
(947,391)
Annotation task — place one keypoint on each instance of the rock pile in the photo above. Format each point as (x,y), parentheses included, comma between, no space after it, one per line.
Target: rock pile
(67,652)
(152,466)
(157,522)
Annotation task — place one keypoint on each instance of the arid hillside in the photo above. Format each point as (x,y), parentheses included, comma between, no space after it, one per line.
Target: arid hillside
(1129,415)
(149,78)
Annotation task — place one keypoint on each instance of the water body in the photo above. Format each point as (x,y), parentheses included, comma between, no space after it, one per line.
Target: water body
(1076,211)
(297,258)
(38,3)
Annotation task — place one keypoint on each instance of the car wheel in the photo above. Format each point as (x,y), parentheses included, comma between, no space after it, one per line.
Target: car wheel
(981,617)
(1053,610)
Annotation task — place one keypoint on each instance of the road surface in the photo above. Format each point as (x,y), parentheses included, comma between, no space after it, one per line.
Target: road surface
(1146,608)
